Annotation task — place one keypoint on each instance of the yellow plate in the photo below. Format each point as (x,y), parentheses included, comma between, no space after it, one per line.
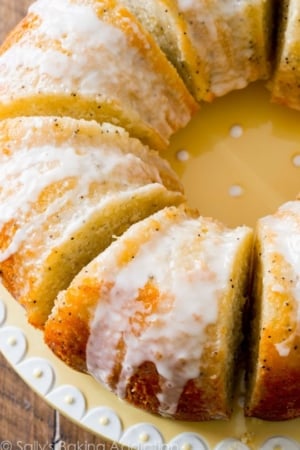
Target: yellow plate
(239,159)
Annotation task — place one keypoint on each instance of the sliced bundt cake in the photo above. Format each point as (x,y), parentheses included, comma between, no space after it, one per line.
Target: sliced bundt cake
(274,370)
(67,187)
(92,59)
(167,25)
(233,38)
(157,316)
(285,83)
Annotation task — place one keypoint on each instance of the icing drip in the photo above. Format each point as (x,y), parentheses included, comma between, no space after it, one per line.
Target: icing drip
(184,276)
(224,25)
(63,54)
(31,169)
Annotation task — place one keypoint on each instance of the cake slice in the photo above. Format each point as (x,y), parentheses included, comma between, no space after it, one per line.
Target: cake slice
(233,38)
(274,368)
(285,83)
(157,316)
(92,59)
(67,188)
(167,25)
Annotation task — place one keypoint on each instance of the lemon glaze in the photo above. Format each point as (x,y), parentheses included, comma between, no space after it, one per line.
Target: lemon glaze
(62,53)
(190,261)
(223,34)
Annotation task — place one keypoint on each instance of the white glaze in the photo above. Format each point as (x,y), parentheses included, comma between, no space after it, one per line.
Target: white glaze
(291,32)
(192,273)
(81,33)
(220,32)
(29,169)
(92,58)
(283,231)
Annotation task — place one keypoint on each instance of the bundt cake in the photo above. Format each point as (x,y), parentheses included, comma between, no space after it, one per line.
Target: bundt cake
(285,83)
(129,284)
(92,59)
(273,390)
(157,316)
(67,186)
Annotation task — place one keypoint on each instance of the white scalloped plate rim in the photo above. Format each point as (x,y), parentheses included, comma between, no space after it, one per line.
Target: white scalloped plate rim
(88,404)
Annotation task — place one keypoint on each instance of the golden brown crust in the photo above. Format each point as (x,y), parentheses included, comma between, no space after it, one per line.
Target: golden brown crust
(66,216)
(96,308)
(284,84)
(67,330)
(30,89)
(143,388)
(27,23)
(196,403)
(203,401)
(273,391)
(277,393)
(174,41)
